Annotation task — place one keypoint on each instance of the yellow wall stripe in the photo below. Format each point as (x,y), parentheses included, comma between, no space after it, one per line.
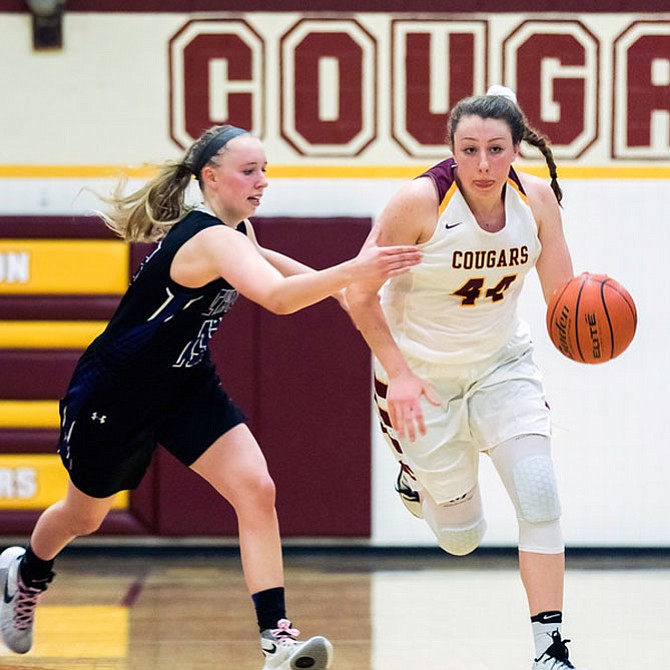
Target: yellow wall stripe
(49,334)
(29,414)
(567,171)
(35,481)
(411,171)
(31,481)
(75,171)
(63,266)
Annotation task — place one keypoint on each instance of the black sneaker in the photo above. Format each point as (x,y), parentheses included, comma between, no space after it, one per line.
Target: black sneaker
(404,487)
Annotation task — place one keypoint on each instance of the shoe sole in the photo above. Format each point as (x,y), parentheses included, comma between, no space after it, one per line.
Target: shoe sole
(409,500)
(315,654)
(412,506)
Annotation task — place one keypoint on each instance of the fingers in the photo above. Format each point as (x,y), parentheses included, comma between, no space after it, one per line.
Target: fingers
(406,415)
(402,249)
(404,424)
(397,260)
(420,424)
(405,255)
(431,395)
(379,263)
(414,420)
(407,419)
(399,270)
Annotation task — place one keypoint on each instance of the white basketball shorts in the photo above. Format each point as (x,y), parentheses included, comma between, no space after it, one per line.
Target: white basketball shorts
(483,405)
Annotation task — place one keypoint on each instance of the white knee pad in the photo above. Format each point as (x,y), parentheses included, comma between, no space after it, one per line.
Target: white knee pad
(461,541)
(527,471)
(458,525)
(536,490)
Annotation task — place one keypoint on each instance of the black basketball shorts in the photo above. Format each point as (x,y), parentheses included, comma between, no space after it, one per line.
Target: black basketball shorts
(109,435)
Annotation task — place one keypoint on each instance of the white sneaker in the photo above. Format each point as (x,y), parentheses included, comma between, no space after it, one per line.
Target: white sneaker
(405,488)
(555,656)
(282,651)
(17,607)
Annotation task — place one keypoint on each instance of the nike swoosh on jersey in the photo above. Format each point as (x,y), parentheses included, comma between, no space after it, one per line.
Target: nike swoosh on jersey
(452,225)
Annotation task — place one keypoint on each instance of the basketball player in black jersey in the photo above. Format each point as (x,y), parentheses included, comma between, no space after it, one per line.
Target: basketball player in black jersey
(148,378)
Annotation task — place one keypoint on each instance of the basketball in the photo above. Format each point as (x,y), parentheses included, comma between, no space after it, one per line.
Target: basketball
(591,318)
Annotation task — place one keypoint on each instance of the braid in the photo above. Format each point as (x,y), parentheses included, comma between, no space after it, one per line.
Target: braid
(534,138)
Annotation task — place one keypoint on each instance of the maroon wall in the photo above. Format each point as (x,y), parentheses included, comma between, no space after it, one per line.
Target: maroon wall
(302,379)
(354,6)
(304,382)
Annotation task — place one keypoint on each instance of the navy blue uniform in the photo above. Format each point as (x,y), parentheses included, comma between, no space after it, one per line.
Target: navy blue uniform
(148,378)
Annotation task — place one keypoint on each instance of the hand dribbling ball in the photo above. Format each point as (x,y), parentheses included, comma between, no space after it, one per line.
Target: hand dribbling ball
(591,318)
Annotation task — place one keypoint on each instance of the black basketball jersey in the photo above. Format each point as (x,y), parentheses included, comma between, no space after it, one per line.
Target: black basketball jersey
(160,329)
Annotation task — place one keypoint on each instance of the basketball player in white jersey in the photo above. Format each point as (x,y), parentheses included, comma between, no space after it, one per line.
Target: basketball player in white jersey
(454,369)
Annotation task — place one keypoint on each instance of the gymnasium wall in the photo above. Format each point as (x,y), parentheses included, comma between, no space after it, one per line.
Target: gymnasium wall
(350,103)
(286,374)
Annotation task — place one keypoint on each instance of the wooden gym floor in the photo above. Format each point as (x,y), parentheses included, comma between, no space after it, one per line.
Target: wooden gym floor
(187,609)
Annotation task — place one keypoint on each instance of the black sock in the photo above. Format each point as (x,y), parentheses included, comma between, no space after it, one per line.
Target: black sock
(34,569)
(270,607)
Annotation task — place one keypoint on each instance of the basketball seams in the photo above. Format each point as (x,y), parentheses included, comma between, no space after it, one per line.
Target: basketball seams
(626,297)
(557,301)
(603,305)
(584,278)
(604,283)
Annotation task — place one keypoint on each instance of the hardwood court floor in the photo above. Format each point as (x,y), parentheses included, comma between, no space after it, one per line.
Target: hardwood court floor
(188,610)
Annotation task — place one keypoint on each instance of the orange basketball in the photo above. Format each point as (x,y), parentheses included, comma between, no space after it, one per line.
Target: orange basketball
(591,318)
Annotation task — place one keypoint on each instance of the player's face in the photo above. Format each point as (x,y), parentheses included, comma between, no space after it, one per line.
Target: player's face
(239,180)
(484,151)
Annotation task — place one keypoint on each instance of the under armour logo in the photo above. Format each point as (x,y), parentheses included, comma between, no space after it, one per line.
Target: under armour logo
(100,418)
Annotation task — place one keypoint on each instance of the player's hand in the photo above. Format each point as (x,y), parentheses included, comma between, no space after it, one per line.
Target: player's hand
(377,264)
(404,404)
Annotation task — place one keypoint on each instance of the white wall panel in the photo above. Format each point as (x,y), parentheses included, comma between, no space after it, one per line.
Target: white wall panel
(104,101)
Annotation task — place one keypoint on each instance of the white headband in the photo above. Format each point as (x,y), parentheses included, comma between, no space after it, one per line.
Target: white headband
(503,91)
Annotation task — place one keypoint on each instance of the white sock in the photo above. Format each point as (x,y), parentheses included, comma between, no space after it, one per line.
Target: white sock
(545,626)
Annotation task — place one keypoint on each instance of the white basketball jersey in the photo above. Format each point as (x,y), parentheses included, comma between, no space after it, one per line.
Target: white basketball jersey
(460,304)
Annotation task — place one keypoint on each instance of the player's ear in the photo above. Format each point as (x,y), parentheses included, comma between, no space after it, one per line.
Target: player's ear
(209,175)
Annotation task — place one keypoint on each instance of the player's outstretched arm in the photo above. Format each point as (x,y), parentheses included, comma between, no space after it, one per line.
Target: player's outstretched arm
(228,254)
